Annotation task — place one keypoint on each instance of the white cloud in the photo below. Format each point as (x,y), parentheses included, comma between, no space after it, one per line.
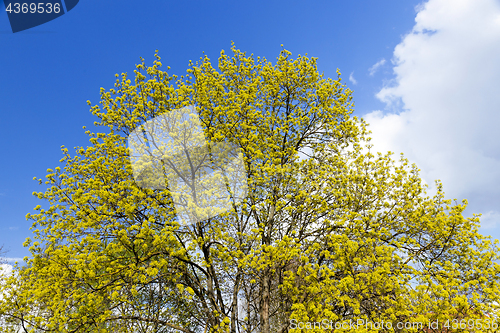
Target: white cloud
(8,259)
(490,220)
(446,89)
(375,67)
(5,269)
(352,79)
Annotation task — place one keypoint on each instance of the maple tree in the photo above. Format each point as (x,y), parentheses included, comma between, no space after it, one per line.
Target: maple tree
(327,231)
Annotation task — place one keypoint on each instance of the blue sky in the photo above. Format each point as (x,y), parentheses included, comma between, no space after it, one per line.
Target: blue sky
(50,71)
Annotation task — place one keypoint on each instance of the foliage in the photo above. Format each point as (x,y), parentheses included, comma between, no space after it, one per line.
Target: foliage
(339,236)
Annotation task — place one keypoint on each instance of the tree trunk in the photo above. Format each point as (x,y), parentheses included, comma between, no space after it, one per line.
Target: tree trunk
(265,301)
(265,290)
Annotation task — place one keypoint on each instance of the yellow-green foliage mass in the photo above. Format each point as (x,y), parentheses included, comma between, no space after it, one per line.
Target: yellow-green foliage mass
(335,236)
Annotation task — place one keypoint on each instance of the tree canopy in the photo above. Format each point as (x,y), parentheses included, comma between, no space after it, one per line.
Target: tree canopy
(327,231)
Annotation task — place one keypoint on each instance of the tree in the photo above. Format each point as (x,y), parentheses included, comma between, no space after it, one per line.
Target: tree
(340,236)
